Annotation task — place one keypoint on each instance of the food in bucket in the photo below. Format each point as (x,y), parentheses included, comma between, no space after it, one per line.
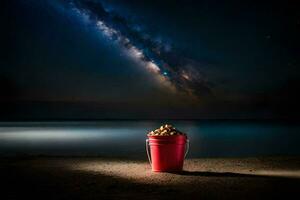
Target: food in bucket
(165,130)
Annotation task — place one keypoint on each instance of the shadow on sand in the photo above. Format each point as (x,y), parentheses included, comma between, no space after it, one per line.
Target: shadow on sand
(226,174)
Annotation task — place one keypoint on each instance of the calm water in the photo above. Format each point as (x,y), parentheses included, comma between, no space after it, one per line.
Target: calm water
(127,138)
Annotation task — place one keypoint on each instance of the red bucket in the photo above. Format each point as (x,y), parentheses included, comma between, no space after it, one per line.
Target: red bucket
(167,153)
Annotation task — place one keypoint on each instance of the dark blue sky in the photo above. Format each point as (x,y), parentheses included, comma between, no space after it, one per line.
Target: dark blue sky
(149,59)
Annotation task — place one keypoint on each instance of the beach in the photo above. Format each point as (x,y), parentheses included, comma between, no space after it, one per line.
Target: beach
(37,177)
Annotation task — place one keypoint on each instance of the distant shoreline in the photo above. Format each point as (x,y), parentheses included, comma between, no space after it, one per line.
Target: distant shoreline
(95,121)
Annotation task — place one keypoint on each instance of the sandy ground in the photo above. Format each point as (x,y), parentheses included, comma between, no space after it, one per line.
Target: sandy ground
(102,178)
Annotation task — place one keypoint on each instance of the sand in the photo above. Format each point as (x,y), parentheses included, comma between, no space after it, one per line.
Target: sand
(103,178)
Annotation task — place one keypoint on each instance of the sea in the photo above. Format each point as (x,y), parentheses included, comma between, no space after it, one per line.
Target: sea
(126,138)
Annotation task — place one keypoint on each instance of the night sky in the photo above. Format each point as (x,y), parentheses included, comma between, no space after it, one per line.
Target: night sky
(133,59)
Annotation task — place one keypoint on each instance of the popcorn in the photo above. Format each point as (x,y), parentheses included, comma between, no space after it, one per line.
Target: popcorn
(165,130)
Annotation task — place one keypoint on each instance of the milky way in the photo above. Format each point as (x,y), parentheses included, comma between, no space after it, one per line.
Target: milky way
(176,72)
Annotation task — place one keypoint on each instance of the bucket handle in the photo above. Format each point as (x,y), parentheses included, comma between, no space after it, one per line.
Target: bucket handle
(187,147)
(148,153)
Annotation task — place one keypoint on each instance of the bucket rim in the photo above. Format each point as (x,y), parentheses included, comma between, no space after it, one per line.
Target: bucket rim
(166,136)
